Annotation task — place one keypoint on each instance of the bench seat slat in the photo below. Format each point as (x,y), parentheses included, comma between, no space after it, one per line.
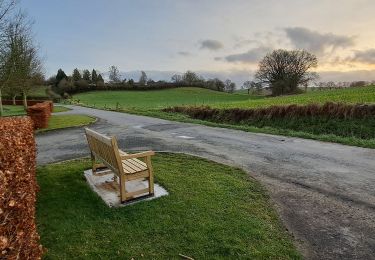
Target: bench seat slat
(131,168)
(136,164)
(122,153)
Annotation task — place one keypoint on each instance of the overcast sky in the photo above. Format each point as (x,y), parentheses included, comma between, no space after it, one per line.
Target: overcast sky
(215,37)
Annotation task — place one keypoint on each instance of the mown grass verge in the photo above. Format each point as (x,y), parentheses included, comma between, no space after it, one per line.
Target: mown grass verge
(213,211)
(66,121)
(58,109)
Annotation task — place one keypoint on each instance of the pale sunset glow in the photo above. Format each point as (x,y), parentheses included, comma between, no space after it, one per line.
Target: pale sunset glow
(213,38)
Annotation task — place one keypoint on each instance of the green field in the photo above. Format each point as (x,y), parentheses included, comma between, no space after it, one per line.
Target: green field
(156,99)
(349,95)
(213,211)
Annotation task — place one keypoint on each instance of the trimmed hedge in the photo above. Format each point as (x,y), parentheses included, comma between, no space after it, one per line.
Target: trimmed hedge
(19,238)
(329,109)
(40,114)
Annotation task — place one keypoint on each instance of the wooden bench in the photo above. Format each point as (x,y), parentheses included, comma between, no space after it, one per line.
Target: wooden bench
(126,167)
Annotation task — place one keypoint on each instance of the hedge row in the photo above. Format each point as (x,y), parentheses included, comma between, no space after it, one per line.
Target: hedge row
(329,109)
(74,89)
(40,114)
(19,238)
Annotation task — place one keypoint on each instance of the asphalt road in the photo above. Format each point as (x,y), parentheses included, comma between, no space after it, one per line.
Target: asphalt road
(324,192)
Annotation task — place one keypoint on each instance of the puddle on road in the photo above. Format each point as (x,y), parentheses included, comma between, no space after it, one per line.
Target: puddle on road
(185,137)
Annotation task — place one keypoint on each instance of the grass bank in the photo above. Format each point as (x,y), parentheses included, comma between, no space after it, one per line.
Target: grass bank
(348,95)
(213,211)
(292,128)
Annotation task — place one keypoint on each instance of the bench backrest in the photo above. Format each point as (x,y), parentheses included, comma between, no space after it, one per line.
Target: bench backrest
(105,149)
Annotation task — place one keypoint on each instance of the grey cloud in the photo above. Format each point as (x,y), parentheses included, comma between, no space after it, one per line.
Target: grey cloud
(211,45)
(354,75)
(365,56)
(184,53)
(317,42)
(243,43)
(251,56)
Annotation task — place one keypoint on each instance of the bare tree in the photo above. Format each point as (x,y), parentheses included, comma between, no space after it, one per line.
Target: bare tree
(254,87)
(114,74)
(143,78)
(285,70)
(247,85)
(6,7)
(176,78)
(22,67)
(229,86)
(190,78)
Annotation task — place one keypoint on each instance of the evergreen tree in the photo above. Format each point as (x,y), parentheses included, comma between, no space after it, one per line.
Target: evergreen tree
(86,75)
(60,75)
(76,75)
(94,76)
(100,78)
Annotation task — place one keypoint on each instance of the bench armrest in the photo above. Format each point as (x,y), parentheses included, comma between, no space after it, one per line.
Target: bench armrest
(137,155)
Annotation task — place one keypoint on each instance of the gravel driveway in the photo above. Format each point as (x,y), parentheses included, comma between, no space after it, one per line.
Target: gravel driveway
(324,192)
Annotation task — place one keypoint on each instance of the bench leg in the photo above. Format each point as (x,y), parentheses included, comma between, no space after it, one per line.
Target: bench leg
(151,183)
(122,189)
(151,175)
(93,163)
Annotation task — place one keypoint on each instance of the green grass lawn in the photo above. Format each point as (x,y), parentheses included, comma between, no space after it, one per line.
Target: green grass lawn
(65,121)
(10,110)
(213,212)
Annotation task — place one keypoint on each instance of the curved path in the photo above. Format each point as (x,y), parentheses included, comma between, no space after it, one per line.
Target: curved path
(324,192)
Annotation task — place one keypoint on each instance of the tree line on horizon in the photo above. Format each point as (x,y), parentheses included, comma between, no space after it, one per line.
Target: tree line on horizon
(280,71)
(81,81)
